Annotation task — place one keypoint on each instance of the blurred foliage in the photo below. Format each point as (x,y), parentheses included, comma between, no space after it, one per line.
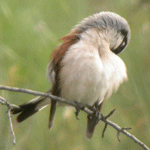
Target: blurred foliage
(28,33)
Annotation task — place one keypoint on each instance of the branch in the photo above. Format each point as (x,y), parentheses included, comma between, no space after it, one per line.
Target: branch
(40,94)
(4,102)
(73,104)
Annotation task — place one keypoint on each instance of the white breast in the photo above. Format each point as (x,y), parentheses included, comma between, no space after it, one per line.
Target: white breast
(87,75)
(115,72)
(82,77)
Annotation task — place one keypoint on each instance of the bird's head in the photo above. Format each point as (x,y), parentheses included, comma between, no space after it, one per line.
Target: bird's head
(110,26)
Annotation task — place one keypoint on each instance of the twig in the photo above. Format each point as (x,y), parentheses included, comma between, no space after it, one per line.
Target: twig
(104,119)
(118,134)
(119,129)
(4,102)
(105,127)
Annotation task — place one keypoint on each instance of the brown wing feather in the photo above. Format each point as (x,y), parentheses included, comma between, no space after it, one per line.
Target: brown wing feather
(60,51)
(57,56)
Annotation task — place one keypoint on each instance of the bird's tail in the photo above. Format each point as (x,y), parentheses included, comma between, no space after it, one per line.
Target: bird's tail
(92,120)
(28,109)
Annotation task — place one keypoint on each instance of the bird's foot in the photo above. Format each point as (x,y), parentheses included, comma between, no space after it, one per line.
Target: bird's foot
(95,116)
(79,106)
(91,108)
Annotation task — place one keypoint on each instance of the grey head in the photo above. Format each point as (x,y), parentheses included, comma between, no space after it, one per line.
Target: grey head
(112,27)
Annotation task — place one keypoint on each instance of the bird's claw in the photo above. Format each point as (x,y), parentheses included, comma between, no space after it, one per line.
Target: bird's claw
(78,107)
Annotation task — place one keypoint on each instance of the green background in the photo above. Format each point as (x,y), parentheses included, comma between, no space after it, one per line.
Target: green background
(28,33)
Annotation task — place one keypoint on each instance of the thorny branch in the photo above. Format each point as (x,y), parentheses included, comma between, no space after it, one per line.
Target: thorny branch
(73,104)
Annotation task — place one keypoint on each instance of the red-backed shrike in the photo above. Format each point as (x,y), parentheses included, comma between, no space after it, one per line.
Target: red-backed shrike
(85,68)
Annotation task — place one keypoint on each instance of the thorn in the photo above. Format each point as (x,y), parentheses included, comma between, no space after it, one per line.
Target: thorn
(118,136)
(104,130)
(126,128)
(104,118)
(110,113)
(122,129)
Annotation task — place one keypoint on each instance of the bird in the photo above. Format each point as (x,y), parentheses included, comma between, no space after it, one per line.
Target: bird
(85,68)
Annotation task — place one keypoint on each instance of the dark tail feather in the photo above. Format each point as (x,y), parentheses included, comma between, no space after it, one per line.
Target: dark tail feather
(52,113)
(26,110)
(92,121)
